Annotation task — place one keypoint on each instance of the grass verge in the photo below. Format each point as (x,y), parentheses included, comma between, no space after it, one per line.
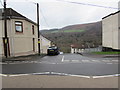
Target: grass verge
(106,53)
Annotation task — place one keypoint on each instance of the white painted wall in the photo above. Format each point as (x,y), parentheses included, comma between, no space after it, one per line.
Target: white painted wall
(1,35)
(20,43)
(110,32)
(72,50)
(44,44)
(23,42)
(119,28)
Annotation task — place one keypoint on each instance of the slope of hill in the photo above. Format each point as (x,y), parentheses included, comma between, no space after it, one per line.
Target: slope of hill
(81,34)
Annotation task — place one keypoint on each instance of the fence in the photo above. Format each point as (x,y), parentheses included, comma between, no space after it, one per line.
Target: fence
(86,50)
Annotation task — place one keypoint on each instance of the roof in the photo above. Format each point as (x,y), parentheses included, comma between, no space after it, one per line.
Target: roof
(111,14)
(45,38)
(77,46)
(12,14)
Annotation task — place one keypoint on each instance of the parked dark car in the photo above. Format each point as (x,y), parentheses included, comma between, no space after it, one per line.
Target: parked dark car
(53,50)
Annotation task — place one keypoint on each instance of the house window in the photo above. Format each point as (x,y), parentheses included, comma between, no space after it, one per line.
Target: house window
(18,26)
(33,30)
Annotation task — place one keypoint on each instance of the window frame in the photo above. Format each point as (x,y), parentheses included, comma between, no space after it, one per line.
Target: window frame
(19,25)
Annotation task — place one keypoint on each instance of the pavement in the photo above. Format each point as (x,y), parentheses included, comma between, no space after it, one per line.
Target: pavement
(45,81)
(23,58)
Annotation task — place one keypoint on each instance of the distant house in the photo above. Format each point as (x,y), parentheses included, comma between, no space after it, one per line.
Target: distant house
(111,32)
(45,44)
(77,48)
(22,35)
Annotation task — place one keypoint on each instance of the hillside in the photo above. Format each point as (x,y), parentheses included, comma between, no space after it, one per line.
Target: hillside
(81,34)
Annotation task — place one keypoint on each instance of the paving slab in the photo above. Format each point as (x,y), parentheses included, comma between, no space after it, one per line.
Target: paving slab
(53,81)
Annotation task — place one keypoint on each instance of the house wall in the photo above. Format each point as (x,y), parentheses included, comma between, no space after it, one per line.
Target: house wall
(21,43)
(45,43)
(72,50)
(110,32)
(119,28)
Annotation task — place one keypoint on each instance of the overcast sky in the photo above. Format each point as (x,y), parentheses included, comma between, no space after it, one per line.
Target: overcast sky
(57,14)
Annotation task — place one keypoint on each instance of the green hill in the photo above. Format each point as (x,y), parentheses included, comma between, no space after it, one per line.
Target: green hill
(81,34)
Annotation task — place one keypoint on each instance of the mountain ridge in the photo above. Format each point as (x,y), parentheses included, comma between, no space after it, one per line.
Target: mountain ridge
(80,34)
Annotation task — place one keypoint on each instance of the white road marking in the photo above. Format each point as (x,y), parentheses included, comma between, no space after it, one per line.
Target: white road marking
(115,75)
(106,60)
(41,73)
(43,62)
(52,63)
(32,61)
(64,74)
(36,62)
(63,58)
(18,75)
(75,60)
(2,63)
(82,76)
(66,61)
(109,63)
(15,63)
(114,60)
(95,60)
(19,63)
(3,75)
(58,73)
(85,60)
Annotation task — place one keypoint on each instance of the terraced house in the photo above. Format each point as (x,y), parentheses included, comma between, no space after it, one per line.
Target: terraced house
(22,35)
(45,44)
(111,32)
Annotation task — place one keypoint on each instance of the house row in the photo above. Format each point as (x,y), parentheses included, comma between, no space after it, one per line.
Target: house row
(111,32)
(22,35)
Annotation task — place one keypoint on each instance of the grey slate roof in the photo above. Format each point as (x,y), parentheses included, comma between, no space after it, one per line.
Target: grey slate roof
(12,14)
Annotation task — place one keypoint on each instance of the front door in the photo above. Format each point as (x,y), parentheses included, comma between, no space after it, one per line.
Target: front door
(33,45)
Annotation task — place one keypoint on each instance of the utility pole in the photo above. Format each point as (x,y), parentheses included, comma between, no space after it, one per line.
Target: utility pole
(5,30)
(119,5)
(38,28)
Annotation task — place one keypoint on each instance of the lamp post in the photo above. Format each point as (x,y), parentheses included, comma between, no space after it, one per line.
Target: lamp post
(5,30)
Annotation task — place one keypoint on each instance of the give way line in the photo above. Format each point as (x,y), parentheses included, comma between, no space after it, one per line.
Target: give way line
(60,74)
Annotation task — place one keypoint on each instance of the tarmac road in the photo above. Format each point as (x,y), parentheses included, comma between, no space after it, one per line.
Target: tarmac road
(67,63)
